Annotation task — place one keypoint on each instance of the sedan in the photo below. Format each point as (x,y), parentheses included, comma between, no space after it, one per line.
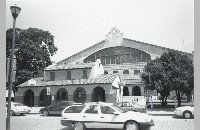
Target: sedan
(55,109)
(132,106)
(18,108)
(104,115)
(185,111)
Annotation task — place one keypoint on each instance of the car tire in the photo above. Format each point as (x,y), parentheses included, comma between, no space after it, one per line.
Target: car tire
(131,125)
(187,114)
(21,114)
(79,126)
(12,113)
(45,112)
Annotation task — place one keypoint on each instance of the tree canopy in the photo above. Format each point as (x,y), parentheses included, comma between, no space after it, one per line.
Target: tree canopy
(172,71)
(33,48)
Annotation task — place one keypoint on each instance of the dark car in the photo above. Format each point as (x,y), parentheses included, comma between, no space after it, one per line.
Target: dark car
(132,106)
(56,108)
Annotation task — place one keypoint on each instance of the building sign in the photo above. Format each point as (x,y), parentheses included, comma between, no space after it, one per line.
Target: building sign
(48,90)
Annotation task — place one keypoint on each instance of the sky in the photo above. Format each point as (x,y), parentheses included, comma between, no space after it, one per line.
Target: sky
(79,24)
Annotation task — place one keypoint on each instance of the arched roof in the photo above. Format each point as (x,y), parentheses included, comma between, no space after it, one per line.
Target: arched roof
(114,39)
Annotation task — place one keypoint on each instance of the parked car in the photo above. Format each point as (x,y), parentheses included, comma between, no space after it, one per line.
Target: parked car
(132,106)
(18,109)
(185,111)
(55,109)
(104,115)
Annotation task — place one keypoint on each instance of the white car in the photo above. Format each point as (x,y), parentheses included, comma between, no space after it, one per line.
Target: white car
(18,108)
(104,115)
(186,111)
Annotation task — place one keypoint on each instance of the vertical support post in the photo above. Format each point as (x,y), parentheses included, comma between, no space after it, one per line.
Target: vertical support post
(10,78)
(151,102)
(175,101)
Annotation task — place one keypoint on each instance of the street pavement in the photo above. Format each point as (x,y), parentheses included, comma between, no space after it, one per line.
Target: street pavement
(37,122)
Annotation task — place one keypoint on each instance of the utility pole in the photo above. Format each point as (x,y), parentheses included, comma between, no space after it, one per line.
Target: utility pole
(15,12)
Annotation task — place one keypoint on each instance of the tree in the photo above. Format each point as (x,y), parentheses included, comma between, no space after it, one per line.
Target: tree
(33,48)
(172,71)
(155,77)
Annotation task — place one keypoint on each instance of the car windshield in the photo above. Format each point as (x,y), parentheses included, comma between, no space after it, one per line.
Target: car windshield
(18,104)
(119,109)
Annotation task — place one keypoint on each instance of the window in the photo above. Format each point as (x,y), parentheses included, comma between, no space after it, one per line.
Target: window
(92,109)
(136,72)
(75,109)
(107,110)
(114,72)
(84,73)
(79,94)
(125,72)
(68,74)
(52,76)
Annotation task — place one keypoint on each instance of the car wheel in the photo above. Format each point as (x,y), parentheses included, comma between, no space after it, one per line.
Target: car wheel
(45,113)
(187,114)
(131,125)
(79,126)
(12,113)
(21,114)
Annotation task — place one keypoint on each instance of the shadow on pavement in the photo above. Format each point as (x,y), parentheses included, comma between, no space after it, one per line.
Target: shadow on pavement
(179,117)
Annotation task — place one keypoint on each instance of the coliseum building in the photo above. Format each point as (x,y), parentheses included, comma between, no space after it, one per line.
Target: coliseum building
(106,71)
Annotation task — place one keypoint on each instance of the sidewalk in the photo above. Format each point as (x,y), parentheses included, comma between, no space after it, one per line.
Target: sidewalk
(151,111)
(157,112)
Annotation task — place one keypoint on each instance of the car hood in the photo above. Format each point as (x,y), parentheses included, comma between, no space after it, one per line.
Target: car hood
(135,114)
(44,108)
(22,107)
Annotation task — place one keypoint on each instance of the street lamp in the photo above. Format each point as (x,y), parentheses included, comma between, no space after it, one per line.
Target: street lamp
(15,12)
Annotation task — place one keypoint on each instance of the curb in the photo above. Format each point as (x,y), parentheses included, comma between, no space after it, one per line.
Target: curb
(161,114)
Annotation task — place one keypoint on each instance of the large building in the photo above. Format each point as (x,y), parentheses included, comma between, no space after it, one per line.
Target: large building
(105,71)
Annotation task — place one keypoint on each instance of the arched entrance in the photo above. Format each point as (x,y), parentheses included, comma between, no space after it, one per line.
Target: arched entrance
(125,91)
(29,98)
(98,94)
(62,95)
(45,100)
(80,95)
(136,91)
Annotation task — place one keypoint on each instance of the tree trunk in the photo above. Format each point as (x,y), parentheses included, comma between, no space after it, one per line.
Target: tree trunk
(179,99)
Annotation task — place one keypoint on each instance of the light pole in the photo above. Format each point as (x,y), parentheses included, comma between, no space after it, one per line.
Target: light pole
(15,12)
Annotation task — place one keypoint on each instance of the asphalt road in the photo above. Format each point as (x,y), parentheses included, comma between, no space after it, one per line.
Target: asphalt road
(37,122)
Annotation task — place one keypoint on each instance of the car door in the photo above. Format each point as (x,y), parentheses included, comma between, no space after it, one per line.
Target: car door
(108,118)
(62,106)
(91,116)
(54,109)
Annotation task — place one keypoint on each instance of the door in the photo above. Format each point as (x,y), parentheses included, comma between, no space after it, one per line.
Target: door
(108,118)
(91,116)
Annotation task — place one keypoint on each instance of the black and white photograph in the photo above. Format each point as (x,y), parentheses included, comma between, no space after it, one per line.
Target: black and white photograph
(100,65)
